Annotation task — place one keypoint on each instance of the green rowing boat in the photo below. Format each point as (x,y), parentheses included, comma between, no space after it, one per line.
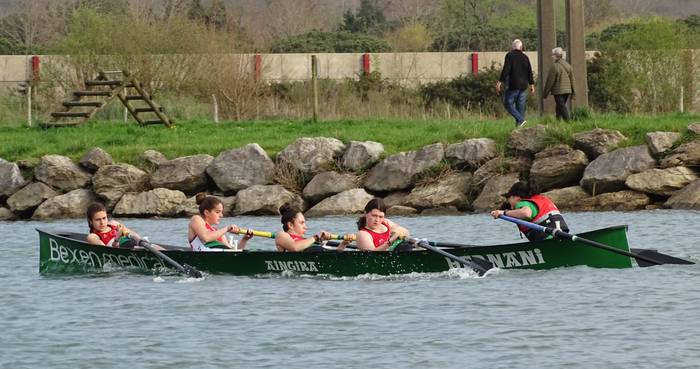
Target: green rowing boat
(66,252)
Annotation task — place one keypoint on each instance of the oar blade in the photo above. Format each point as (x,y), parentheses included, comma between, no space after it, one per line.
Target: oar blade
(657,256)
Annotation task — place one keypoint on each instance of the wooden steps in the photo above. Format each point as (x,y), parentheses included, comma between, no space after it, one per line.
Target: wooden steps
(100,91)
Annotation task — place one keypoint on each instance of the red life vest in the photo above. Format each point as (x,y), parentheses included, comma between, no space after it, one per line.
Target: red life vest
(545,208)
(379,238)
(107,237)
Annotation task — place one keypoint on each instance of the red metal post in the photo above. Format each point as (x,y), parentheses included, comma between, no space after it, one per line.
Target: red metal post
(365,63)
(36,70)
(258,67)
(475,64)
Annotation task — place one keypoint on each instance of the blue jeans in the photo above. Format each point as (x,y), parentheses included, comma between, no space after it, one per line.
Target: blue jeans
(515,102)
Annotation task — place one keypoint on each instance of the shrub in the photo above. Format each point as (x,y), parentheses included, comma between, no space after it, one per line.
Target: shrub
(330,42)
(466,91)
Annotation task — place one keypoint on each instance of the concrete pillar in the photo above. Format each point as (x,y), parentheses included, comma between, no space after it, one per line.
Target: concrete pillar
(576,53)
(547,32)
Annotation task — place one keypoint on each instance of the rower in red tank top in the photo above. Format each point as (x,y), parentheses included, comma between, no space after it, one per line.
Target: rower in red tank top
(294,226)
(376,233)
(106,232)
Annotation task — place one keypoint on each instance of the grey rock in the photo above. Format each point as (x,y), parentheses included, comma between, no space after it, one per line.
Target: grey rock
(659,142)
(499,166)
(686,198)
(687,154)
(156,202)
(186,174)
(450,191)
(398,172)
(694,128)
(6,214)
(312,155)
(11,179)
(110,182)
(528,141)
(265,200)
(608,172)
(328,184)
(398,210)
(445,210)
(347,202)
(61,173)
(151,159)
(395,199)
(362,154)
(567,198)
(95,159)
(598,141)
(472,152)
(29,197)
(615,201)
(493,194)
(663,182)
(237,169)
(69,205)
(557,167)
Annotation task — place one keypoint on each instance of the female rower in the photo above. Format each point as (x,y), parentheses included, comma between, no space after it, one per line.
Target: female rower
(105,232)
(294,227)
(376,233)
(201,233)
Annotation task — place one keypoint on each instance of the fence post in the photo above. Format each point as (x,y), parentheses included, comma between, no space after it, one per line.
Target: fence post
(366,63)
(257,67)
(314,85)
(475,64)
(29,104)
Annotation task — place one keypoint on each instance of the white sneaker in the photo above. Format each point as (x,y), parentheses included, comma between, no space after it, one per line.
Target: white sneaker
(521,124)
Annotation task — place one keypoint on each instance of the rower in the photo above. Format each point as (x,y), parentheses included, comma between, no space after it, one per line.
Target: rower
(106,232)
(375,232)
(534,208)
(294,226)
(202,234)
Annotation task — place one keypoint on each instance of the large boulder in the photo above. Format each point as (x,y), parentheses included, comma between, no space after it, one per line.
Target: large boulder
(110,182)
(493,194)
(265,200)
(398,172)
(312,155)
(398,210)
(694,128)
(663,182)
(156,202)
(499,166)
(659,142)
(61,173)
(450,191)
(6,214)
(528,141)
(237,169)
(395,199)
(151,159)
(11,179)
(362,154)
(29,197)
(608,172)
(95,159)
(327,184)
(557,167)
(598,141)
(69,205)
(347,202)
(471,153)
(686,198)
(687,154)
(186,174)
(567,198)
(615,201)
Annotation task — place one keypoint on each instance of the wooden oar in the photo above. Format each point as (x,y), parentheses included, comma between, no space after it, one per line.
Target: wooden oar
(476,267)
(185,269)
(561,234)
(265,234)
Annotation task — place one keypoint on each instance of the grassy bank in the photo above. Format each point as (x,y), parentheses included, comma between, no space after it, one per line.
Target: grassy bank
(126,141)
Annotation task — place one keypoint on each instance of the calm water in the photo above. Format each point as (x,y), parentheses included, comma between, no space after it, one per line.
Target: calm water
(566,318)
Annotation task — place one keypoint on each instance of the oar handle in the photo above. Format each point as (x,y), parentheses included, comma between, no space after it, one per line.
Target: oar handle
(257,233)
(344,237)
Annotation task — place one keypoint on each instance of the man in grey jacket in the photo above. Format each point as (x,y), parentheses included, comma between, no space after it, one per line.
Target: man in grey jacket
(560,83)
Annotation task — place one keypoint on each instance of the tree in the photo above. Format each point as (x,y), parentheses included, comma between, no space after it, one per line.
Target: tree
(368,19)
(216,16)
(195,12)
(330,42)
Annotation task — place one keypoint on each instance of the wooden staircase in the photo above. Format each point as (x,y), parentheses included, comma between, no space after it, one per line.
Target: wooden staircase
(100,91)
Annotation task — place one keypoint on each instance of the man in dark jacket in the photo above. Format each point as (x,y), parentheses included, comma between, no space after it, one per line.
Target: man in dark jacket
(560,83)
(517,76)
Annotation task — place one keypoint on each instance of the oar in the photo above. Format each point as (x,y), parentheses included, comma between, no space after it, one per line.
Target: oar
(559,233)
(265,234)
(185,269)
(479,269)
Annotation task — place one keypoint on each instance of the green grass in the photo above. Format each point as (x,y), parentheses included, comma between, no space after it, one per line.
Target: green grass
(126,141)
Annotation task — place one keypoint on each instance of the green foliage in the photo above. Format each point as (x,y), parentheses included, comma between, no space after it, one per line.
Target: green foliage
(468,90)
(330,42)
(410,37)
(368,19)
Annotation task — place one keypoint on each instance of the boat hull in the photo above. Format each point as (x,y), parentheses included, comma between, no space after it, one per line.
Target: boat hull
(67,253)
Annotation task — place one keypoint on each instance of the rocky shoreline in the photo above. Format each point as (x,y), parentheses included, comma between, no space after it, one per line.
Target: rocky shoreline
(325,176)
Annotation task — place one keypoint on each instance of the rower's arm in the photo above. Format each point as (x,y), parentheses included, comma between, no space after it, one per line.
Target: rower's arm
(365,242)
(205,235)
(522,213)
(285,241)
(400,231)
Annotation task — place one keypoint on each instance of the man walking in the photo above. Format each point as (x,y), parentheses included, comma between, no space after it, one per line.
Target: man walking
(517,76)
(560,83)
